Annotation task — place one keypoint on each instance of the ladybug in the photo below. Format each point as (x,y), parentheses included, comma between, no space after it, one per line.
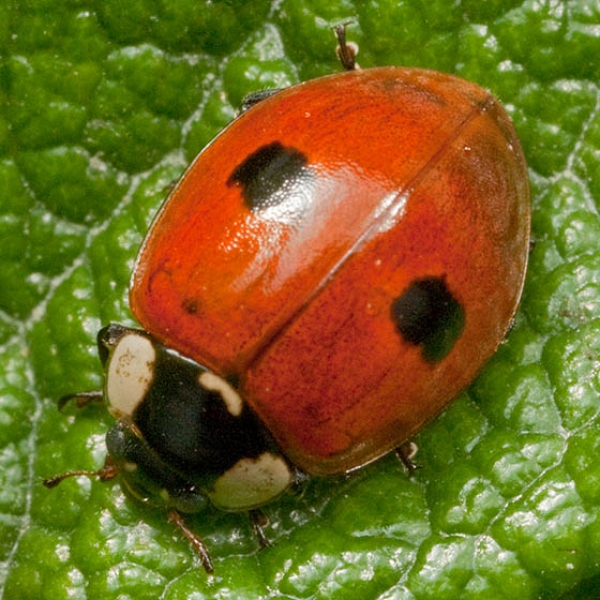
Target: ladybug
(330,271)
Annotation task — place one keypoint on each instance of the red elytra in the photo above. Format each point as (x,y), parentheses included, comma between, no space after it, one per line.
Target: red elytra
(284,258)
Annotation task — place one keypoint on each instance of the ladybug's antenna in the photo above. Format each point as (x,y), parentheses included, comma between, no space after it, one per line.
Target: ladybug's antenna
(346,51)
(81,399)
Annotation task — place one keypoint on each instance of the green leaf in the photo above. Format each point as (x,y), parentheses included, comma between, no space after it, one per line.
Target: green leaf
(102,105)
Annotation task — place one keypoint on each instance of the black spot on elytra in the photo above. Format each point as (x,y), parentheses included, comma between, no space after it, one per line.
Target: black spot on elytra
(428,315)
(265,174)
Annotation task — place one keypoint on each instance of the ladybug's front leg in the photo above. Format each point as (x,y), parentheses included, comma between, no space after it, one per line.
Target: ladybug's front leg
(257,517)
(108,471)
(259,520)
(197,544)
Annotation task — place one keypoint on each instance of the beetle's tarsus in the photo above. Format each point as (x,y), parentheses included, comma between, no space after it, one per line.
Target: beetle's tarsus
(197,544)
(108,471)
(259,520)
(346,51)
(406,453)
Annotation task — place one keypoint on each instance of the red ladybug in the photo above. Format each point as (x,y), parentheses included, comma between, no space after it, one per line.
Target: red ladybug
(331,270)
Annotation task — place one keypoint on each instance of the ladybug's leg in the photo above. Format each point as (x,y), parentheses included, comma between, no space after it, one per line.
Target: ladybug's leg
(406,453)
(259,520)
(81,399)
(255,97)
(346,51)
(107,472)
(193,539)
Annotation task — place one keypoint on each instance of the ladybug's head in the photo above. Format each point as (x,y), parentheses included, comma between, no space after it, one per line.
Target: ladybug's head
(183,434)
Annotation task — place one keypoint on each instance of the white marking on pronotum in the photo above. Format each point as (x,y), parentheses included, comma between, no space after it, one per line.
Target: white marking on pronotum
(231,398)
(251,482)
(129,374)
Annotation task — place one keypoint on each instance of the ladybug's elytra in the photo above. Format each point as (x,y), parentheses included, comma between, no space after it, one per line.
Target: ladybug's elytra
(330,272)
